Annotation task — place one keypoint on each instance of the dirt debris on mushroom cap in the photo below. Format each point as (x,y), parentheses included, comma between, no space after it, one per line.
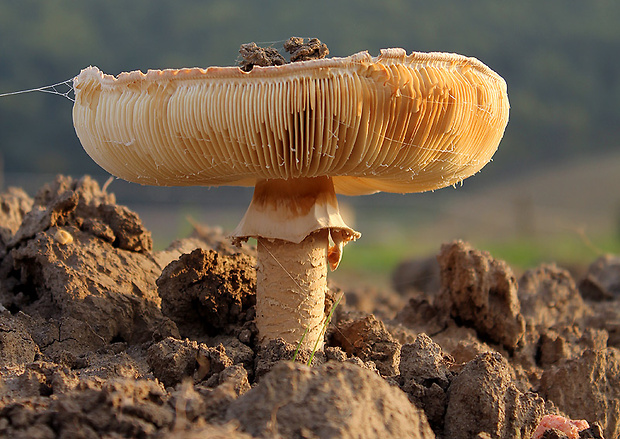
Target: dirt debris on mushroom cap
(253,55)
(304,51)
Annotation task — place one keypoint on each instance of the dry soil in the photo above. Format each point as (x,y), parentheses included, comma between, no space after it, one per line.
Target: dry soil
(100,336)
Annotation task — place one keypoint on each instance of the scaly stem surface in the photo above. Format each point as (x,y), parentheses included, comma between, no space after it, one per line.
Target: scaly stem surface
(290,291)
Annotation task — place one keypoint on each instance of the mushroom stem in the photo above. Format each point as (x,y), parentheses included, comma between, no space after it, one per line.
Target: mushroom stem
(300,232)
(290,289)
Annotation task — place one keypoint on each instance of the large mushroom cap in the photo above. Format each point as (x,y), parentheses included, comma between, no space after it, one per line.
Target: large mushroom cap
(393,123)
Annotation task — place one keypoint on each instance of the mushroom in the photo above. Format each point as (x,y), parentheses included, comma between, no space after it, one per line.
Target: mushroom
(299,133)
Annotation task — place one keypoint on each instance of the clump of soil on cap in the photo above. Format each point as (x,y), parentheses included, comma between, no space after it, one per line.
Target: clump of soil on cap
(100,336)
(299,50)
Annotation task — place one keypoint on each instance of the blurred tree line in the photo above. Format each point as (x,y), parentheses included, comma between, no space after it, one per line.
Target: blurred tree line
(559,58)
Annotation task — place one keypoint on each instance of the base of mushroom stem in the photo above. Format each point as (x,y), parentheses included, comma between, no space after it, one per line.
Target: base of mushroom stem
(291,283)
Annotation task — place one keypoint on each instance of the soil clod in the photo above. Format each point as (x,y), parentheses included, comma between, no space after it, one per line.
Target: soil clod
(363,405)
(481,292)
(204,291)
(368,339)
(483,398)
(254,55)
(304,51)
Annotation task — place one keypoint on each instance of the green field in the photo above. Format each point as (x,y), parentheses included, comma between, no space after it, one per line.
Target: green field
(374,263)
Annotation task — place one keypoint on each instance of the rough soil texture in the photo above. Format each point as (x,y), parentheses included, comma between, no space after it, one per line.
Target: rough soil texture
(304,51)
(205,291)
(253,55)
(102,337)
(359,404)
(480,292)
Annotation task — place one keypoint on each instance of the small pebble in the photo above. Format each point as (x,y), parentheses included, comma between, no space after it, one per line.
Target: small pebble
(63,237)
(245,336)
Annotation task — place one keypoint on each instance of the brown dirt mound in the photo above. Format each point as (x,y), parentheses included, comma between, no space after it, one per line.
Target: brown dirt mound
(102,337)
(204,291)
(291,401)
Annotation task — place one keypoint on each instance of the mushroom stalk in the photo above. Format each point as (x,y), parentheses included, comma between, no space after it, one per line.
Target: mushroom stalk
(291,282)
(300,232)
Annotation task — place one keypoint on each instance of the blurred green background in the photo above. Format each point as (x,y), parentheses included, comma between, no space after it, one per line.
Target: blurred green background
(551,192)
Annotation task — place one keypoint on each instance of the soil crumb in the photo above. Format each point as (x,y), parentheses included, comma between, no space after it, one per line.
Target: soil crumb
(100,336)
(254,55)
(304,51)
